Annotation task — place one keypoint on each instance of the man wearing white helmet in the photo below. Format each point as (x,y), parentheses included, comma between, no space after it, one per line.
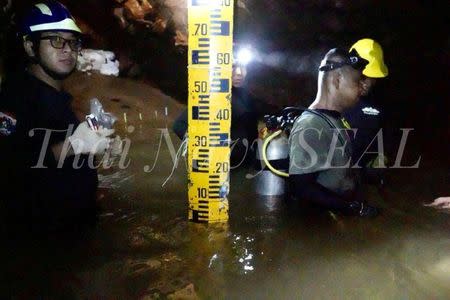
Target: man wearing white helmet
(45,149)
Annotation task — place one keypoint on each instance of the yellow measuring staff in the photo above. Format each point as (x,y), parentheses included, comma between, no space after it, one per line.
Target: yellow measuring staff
(209,108)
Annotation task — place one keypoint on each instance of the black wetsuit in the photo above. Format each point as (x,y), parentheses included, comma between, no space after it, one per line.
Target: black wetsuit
(245,112)
(367,118)
(50,194)
(322,178)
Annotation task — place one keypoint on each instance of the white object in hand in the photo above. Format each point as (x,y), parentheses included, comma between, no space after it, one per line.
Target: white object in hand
(86,141)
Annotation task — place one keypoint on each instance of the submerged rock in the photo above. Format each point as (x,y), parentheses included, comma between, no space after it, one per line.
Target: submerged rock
(140,266)
(145,236)
(187,293)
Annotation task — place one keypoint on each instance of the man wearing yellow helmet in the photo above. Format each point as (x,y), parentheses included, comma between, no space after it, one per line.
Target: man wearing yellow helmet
(372,52)
(367,116)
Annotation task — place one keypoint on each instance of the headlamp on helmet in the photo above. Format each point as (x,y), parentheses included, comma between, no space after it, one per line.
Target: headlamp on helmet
(243,56)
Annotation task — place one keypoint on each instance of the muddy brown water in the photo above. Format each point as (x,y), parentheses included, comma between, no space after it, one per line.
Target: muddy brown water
(144,248)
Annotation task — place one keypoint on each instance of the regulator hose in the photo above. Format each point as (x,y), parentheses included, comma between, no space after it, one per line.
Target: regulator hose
(266,161)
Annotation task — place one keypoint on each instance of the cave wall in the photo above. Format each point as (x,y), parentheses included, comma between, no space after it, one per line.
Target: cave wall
(5,17)
(150,39)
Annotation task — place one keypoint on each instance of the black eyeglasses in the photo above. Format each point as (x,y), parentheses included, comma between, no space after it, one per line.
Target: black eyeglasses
(353,60)
(58,42)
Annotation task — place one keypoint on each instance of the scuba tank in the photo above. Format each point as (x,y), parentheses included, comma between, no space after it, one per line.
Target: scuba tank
(277,153)
(273,153)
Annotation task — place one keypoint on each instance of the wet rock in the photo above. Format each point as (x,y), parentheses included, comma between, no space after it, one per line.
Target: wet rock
(119,13)
(137,241)
(171,234)
(152,296)
(140,267)
(188,293)
(154,264)
(172,277)
(134,71)
(179,232)
(137,10)
(170,257)
(145,236)
(5,16)
(180,38)
(159,26)
(178,13)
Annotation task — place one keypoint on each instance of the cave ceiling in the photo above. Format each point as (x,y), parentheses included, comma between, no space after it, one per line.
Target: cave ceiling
(150,37)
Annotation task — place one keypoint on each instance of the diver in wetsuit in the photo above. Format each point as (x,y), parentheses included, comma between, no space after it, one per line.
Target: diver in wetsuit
(320,144)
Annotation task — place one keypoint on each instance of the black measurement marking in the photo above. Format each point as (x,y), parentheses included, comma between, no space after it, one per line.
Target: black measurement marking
(200,113)
(203,43)
(204,99)
(215,14)
(200,2)
(200,165)
(200,57)
(219,140)
(220,86)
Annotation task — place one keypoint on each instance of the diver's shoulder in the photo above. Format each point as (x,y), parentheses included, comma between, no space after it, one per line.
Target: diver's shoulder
(311,118)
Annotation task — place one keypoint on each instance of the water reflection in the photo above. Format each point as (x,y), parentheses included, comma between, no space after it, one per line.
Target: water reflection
(143,246)
(243,248)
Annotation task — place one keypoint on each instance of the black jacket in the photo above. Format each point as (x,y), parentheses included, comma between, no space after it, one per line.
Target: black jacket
(48,192)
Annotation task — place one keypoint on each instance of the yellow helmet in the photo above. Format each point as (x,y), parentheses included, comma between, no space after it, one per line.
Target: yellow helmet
(371,51)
